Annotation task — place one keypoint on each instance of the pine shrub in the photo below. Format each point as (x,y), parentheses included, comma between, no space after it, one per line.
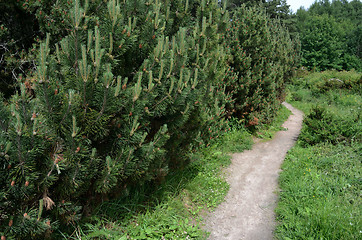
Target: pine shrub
(121,93)
(263,58)
(117,101)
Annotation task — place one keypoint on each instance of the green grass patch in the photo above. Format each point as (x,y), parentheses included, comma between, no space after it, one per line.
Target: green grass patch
(321,178)
(320,197)
(321,82)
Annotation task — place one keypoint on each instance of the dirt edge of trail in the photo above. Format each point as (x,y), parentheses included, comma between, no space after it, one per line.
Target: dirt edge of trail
(248,210)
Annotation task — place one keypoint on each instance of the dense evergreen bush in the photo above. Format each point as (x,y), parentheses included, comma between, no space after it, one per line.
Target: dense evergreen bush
(122,91)
(116,102)
(263,58)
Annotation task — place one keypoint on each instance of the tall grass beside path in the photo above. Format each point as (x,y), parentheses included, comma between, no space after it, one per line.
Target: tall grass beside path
(320,183)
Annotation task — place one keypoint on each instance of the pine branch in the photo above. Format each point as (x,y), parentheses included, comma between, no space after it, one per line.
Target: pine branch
(70,94)
(103,105)
(75,66)
(84,98)
(18,141)
(47,100)
(163,99)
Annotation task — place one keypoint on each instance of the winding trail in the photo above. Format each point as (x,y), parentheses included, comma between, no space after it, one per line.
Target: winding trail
(248,210)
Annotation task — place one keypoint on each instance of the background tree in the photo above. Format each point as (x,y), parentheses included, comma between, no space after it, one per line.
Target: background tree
(322,43)
(336,27)
(232,4)
(263,58)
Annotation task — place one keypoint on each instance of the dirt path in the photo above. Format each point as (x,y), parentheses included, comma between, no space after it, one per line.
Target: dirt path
(248,212)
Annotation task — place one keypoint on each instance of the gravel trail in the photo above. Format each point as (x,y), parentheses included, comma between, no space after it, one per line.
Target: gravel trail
(248,210)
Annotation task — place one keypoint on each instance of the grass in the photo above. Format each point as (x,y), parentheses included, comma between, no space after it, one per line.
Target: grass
(321,180)
(175,209)
(323,89)
(320,197)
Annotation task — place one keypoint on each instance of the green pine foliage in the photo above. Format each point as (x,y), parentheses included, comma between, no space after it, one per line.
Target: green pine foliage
(121,93)
(263,58)
(113,103)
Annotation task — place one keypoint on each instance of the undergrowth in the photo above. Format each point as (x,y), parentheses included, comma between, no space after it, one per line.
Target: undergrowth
(321,178)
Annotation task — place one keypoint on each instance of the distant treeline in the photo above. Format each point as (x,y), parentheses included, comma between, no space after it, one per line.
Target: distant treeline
(331,35)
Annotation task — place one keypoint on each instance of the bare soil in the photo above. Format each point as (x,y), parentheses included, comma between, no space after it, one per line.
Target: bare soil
(248,210)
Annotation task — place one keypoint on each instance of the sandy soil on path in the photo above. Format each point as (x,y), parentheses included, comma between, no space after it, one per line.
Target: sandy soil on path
(248,210)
